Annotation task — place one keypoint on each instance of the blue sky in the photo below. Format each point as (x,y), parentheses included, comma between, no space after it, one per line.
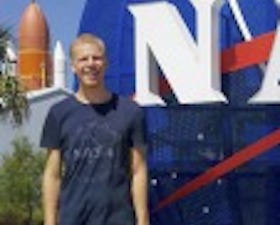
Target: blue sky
(63,18)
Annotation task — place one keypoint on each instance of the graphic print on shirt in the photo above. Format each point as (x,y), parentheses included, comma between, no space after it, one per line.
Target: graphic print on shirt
(92,148)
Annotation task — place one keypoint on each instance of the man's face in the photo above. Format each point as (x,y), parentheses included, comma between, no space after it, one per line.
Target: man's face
(89,64)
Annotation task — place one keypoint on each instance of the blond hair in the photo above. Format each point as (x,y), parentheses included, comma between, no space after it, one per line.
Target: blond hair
(87,38)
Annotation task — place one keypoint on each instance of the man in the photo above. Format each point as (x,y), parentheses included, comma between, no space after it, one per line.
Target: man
(96,172)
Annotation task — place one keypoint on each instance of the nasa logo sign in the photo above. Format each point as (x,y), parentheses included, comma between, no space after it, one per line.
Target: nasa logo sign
(207,72)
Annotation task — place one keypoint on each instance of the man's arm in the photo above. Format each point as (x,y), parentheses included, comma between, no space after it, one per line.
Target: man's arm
(51,186)
(139,187)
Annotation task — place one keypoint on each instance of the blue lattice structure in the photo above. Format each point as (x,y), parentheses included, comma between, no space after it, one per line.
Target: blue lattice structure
(185,141)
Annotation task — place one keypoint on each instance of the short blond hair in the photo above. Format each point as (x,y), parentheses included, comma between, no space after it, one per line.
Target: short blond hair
(87,38)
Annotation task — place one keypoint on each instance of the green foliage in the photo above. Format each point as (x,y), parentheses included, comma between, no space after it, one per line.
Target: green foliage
(13,99)
(20,184)
(12,95)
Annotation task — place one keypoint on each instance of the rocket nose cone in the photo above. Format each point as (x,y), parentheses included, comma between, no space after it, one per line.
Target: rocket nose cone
(58,51)
(33,28)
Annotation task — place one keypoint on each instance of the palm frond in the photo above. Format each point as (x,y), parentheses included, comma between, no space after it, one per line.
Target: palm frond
(13,99)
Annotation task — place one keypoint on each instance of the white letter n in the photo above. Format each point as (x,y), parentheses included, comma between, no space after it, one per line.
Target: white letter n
(192,70)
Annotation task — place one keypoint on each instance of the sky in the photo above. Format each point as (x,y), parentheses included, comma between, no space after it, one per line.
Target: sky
(63,18)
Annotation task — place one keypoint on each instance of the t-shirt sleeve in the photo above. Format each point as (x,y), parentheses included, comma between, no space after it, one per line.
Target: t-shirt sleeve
(50,137)
(138,134)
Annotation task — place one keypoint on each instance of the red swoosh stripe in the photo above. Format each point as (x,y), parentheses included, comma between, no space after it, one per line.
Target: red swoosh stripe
(248,53)
(241,157)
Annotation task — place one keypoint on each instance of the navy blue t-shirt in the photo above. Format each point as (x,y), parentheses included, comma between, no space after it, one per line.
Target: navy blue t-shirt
(95,141)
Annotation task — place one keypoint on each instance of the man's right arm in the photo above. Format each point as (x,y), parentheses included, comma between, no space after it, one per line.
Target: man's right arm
(51,186)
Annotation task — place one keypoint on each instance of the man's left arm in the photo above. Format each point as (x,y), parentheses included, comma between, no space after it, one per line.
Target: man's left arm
(139,186)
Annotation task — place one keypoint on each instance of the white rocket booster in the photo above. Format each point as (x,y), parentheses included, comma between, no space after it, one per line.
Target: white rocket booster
(9,65)
(59,66)
(10,52)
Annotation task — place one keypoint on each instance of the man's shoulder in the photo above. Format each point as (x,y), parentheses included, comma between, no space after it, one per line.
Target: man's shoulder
(62,105)
(129,103)
(130,108)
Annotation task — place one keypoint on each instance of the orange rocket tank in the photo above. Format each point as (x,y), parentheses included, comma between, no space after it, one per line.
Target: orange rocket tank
(34,64)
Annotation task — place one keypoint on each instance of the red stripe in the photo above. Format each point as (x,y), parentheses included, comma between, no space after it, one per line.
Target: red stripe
(247,53)
(231,163)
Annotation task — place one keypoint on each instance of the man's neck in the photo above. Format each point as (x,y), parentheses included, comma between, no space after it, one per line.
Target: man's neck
(93,95)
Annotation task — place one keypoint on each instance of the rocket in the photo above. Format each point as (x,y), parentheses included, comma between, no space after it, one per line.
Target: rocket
(11,59)
(59,66)
(34,64)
